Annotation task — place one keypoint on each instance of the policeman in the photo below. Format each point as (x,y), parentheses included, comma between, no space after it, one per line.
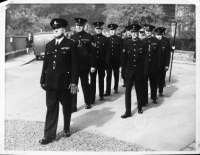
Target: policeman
(115,50)
(153,47)
(59,78)
(87,57)
(164,58)
(167,40)
(125,39)
(135,62)
(102,44)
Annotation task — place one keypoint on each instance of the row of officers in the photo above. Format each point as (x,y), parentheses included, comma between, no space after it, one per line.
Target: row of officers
(83,55)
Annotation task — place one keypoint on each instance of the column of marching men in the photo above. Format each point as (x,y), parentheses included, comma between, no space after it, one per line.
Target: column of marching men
(140,56)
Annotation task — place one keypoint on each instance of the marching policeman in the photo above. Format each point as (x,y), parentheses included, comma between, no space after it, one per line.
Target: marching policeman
(135,62)
(125,39)
(153,47)
(164,58)
(59,78)
(102,44)
(115,50)
(87,58)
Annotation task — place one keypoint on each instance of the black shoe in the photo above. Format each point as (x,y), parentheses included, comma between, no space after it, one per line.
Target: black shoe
(74,109)
(116,92)
(106,94)
(87,106)
(155,101)
(67,133)
(101,98)
(126,115)
(140,111)
(123,85)
(45,140)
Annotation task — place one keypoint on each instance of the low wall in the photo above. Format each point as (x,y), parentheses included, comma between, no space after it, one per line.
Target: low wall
(14,54)
(184,55)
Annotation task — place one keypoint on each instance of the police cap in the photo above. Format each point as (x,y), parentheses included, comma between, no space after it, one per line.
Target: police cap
(98,24)
(135,27)
(159,30)
(58,23)
(112,26)
(80,21)
(148,27)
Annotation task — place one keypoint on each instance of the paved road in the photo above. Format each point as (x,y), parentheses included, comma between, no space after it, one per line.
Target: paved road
(167,126)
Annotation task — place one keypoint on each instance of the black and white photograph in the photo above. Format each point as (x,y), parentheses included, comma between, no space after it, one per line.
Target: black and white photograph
(100,77)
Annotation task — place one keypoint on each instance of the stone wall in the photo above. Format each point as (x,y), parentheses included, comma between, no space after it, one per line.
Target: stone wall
(183,55)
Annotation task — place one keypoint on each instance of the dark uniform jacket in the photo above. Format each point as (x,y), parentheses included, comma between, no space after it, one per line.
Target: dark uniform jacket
(87,50)
(61,65)
(135,60)
(102,47)
(115,50)
(164,54)
(167,40)
(153,47)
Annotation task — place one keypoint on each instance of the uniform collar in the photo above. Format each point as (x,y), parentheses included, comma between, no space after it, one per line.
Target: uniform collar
(59,40)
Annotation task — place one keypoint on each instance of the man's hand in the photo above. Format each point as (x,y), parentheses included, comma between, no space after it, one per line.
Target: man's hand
(166,68)
(43,86)
(92,70)
(173,47)
(73,88)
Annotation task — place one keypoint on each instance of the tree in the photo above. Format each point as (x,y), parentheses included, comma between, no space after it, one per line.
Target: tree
(125,14)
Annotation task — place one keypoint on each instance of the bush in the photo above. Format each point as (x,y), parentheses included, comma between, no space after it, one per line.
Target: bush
(186,44)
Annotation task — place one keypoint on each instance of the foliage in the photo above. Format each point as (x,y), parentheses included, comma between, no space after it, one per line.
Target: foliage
(133,13)
(186,44)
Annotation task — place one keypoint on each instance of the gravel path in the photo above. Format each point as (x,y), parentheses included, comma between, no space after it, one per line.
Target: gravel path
(24,136)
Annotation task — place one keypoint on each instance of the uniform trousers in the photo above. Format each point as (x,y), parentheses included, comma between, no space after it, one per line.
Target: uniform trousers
(53,97)
(109,78)
(161,80)
(153,86)
(101,75)
(139,93)
(85,88)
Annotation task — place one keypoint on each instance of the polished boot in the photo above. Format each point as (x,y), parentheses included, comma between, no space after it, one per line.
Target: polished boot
(67,133)
(87,106)
(45,140)
(126,115)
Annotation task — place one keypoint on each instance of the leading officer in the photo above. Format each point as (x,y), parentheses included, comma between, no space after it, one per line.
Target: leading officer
(102,44)
(115,50)
(59,78)
(135,64)
(87,57)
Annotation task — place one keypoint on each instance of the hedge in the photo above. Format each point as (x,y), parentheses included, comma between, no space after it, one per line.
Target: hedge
(186,44)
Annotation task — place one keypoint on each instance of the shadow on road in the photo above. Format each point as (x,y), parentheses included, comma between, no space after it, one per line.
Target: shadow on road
(95,118)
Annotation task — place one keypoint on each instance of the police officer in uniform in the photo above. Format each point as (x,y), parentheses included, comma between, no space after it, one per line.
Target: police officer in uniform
(87,57)
(102,44)
(125,39)
(153,47)
(135,62)
(59,79)
(115,50)
(164,58)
